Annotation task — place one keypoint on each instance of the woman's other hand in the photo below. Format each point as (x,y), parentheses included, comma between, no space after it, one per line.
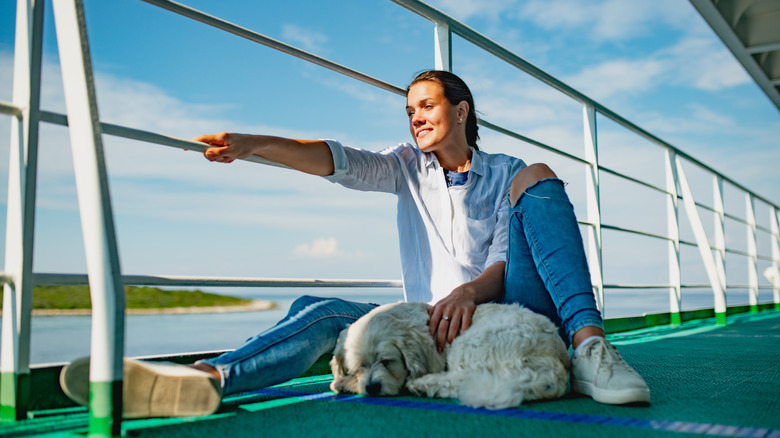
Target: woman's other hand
(227,147)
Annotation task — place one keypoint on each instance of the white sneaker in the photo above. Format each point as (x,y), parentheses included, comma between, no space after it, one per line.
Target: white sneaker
(151,389)
(601,373)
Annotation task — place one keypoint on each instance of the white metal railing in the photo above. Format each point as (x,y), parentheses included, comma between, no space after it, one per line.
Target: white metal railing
(105,277)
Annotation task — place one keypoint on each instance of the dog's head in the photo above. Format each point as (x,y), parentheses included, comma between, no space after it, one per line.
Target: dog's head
(380,351)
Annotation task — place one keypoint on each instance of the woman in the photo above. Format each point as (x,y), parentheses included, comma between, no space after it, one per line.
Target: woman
(473,228)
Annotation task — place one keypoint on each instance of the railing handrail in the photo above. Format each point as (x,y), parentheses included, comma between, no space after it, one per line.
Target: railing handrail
(504,54)
(100,239)
(458,28)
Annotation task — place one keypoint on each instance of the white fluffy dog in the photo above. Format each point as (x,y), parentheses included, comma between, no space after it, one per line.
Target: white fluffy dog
(508,355)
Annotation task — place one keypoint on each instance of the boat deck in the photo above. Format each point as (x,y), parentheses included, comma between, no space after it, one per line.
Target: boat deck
(705,379)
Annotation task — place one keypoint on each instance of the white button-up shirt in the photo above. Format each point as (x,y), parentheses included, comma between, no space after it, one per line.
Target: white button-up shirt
(448,235)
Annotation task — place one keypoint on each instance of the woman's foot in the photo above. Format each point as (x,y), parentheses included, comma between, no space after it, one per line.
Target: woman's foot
(151,389)
(600,372)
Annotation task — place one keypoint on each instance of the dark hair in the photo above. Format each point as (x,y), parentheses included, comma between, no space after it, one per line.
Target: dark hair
(456,91)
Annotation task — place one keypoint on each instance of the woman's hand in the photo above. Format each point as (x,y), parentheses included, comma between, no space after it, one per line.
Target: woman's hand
(309,156)
(452,315)
(458,307)
(227,147)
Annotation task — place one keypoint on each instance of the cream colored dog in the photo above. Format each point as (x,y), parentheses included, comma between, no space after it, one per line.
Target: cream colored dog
(508,355)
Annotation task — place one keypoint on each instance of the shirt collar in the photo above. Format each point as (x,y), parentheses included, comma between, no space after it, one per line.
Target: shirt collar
(477,164)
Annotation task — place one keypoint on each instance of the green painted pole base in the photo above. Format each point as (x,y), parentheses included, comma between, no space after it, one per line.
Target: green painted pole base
(14,396)
(720,318)
(105,409)
(675,318)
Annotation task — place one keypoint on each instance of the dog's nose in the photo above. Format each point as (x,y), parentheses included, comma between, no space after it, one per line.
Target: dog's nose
(373,388)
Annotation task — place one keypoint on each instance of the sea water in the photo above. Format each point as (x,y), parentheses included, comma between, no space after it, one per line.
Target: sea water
(64,338)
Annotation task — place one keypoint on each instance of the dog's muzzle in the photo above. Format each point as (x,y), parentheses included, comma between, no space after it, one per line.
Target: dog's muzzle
(373,388)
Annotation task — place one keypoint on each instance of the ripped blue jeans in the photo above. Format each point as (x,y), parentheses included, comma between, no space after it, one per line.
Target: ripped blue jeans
(285,351)
(546,271)
(546,268)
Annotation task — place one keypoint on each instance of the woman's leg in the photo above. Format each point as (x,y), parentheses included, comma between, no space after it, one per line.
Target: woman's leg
(286,350)
(547,270)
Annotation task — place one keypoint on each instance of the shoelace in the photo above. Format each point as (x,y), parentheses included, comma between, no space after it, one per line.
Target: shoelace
(607,356)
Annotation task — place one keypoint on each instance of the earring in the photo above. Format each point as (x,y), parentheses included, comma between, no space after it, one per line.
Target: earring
(460,120)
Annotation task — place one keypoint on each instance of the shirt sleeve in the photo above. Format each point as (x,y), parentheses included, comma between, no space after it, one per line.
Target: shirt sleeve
(364,170)
(500,244)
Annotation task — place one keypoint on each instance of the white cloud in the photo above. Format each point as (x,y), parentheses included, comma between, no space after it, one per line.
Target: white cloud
(306,38)
(693,62)
(609,19)
(464,10)
(325,247)
(617,76)
(703,63)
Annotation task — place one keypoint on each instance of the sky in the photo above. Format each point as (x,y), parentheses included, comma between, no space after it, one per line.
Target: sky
(658,64)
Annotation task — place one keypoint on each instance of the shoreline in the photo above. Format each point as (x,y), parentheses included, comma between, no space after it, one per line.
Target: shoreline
(255,305)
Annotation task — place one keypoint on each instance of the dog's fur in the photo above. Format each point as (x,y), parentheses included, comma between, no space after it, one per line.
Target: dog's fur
(508,355)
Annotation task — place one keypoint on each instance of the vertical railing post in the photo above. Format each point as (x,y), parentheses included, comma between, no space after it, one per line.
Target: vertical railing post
(752,250)
(705,250)
(774,224)
(673,230)
(105,283)
(594,203)
(443,47)
(720,229)
(20,222)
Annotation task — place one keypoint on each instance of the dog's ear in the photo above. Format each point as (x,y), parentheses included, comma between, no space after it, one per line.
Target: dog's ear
(337,362)
(419,353)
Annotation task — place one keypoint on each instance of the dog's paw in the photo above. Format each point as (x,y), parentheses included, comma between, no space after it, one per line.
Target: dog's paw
(434,385)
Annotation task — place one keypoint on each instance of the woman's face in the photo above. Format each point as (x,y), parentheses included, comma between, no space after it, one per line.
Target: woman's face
(433,120)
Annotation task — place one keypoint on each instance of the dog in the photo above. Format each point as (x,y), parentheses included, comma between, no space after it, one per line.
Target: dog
(508,355)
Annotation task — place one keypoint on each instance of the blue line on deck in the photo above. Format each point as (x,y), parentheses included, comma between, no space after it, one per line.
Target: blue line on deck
(637,423)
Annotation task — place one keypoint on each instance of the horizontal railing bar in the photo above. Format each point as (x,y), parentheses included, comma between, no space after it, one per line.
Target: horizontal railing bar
(705,207)
(632,231)
(531,141)
(634,180)
(502,53)
(738,252)
(746,254)
(150,137)
(50,279)
(763,228)
(747,286)
(301,54)
(735,218)
(10,109)
(272,43)
(696,286)
(637,286)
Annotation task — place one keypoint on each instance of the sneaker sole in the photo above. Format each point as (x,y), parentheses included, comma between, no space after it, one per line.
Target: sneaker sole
(150,390)
(611,397)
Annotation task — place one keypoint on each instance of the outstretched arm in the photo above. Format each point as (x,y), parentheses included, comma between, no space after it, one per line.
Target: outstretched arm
(309,156)
(460,304)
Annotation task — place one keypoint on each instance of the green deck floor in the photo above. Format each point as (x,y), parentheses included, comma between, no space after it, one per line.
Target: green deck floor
(705,379)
